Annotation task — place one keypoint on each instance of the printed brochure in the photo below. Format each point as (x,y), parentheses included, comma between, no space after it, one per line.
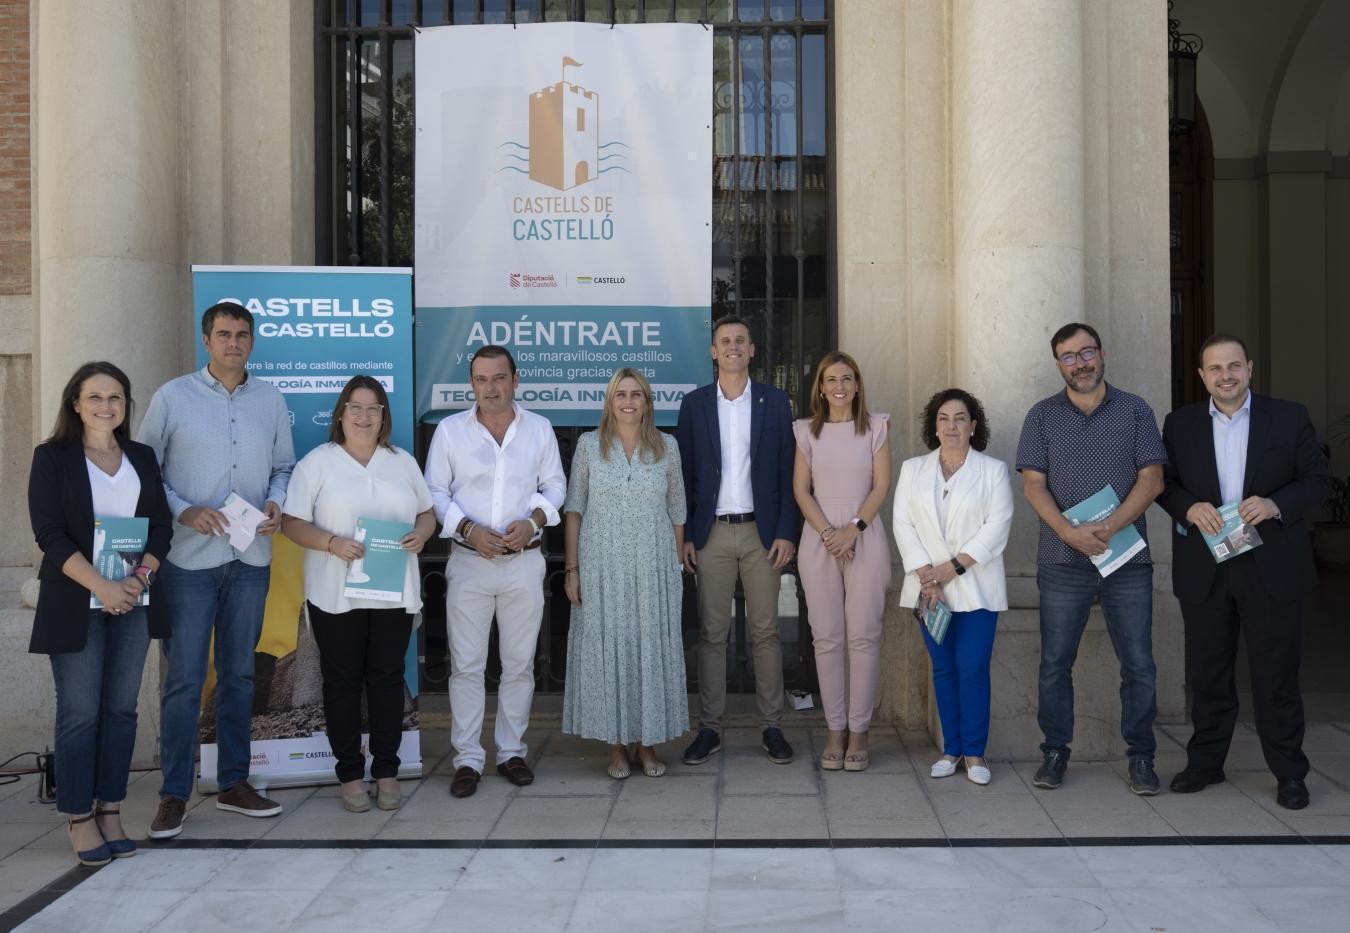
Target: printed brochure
(244,521)
(381,572)
(1123,545)
(935,619)
(1237,537)
(119,545)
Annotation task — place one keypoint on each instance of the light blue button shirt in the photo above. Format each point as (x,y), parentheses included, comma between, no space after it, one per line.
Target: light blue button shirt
(211,442)
(1230,448)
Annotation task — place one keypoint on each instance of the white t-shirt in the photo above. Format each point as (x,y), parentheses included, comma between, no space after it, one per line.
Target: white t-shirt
(114,496)
(332,490)
(735,495)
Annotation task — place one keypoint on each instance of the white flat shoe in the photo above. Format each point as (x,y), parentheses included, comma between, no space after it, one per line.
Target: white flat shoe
(978,774)
(942,768)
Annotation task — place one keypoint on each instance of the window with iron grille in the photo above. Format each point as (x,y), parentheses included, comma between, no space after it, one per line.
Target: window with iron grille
(773,207)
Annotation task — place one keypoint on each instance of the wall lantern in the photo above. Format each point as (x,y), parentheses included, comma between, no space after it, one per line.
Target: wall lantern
(1182,50)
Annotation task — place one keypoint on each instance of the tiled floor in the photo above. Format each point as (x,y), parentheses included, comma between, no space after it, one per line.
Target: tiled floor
(737,843)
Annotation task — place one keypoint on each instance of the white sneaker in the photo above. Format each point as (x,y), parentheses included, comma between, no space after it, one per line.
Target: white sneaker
(942,768)
(978,774)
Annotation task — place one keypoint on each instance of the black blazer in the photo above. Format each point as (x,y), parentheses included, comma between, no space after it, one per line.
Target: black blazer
(1284,463)
(771,459)
(61,508)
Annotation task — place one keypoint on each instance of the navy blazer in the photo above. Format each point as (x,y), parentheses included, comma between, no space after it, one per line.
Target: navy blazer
(1284,463)
(772,451)
(61,508)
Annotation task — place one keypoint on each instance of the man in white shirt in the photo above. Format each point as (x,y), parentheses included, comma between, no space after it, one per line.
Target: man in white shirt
(737,453)
(496,481)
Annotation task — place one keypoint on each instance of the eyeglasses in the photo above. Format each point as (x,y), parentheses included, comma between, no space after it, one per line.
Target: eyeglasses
(1086,355)
(373,411)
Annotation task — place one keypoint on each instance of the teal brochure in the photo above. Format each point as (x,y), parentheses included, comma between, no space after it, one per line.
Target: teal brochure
(935,619)
(119,545)
(1123,545)
(1237,537)
(380,573)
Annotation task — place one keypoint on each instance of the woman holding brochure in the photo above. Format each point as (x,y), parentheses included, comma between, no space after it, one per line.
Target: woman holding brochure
(359,486)
(90,472)
(953,511)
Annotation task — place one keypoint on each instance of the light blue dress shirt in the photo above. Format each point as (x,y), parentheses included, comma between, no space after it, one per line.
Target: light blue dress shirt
(1230,448)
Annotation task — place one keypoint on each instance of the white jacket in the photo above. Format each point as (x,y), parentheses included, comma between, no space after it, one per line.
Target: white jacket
(979,517)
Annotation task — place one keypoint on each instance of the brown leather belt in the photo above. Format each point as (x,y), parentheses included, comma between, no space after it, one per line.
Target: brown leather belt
(532,546)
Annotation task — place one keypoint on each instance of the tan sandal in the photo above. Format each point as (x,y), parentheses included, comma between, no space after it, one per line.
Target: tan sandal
(652,766)
(856,761)
(619,771)
(831,761)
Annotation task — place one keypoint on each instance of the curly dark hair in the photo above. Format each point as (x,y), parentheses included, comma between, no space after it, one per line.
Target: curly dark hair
(928,417)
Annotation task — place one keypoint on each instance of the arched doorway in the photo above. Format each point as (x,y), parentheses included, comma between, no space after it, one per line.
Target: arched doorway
(1190,209)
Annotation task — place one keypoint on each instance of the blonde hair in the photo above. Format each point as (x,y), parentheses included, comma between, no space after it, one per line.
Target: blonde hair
(651,445)
(820,409)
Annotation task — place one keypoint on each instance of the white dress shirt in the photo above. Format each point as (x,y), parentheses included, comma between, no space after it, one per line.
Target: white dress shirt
(735,495)
(1230,448)
(114,496)
(332,490)
(494,485)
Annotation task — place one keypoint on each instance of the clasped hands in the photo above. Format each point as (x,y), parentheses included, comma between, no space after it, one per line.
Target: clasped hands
(1253,511)
(839,541)
(120,596)
(489,543)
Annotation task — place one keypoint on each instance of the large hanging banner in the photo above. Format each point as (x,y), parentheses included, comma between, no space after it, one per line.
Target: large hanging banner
(564,206)
(314,328)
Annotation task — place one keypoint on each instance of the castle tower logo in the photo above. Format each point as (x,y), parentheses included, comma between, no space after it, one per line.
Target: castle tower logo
(564,133)
(564,150)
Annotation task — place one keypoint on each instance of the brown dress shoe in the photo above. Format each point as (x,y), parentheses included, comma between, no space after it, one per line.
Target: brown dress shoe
(516,771)
(465,782)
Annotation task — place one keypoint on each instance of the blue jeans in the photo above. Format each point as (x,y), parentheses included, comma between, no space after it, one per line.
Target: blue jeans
(1126,596)
(227,600)
(96,691)
(961,680)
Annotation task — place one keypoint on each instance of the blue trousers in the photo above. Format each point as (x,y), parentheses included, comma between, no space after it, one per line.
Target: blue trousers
(96,691)
(226,601)
(961,680)
(1067,591)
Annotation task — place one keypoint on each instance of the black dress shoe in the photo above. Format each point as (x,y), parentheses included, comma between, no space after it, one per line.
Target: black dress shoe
(780,752)
(516,771)
(465,782)
(1292,794)
(1193,780)
(706,744)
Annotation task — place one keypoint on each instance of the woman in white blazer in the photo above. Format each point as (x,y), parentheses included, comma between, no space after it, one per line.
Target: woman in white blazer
(953,511)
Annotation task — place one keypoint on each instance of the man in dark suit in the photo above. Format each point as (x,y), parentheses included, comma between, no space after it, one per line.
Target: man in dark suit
(736,450)
(1261,453)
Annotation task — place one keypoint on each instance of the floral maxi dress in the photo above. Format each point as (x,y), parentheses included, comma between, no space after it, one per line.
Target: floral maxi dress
(625,654)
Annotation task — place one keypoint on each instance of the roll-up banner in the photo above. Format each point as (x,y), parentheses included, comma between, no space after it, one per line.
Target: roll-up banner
(563,209)
(314,328)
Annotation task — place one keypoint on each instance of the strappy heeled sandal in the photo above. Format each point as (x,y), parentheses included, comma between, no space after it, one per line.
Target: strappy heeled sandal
(96,857)
(120,848)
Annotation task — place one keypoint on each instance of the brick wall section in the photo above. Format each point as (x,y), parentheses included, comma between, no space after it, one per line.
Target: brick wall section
(16,256)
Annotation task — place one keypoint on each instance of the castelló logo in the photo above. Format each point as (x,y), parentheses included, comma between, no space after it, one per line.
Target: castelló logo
(564,150)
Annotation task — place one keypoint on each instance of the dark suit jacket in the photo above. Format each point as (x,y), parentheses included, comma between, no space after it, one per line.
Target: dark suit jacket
(1284,463)
(61,508)
(771,459)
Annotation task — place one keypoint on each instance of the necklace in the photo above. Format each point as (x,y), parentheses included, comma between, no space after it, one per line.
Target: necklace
(950,468)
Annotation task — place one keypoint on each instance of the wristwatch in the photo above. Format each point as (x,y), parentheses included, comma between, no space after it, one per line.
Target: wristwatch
(146,574)
(858,523)
(958,567)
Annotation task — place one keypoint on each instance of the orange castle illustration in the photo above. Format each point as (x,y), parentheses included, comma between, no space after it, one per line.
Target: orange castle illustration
(564,133)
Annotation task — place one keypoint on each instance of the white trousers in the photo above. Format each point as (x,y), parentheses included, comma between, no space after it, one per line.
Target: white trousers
(512,589)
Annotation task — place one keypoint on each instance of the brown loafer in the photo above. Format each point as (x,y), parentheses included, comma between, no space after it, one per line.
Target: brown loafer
(516,771)
(465,782)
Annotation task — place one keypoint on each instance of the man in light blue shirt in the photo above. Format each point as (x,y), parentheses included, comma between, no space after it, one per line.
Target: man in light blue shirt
(215,431)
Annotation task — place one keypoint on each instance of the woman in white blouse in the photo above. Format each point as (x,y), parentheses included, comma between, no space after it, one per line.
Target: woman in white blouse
(362,641)
(953,511)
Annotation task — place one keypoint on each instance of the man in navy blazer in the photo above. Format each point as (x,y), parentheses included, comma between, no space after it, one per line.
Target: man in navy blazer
(736,451)
(1261,453)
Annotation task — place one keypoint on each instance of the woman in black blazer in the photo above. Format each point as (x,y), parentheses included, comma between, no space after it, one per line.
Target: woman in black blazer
(90,467)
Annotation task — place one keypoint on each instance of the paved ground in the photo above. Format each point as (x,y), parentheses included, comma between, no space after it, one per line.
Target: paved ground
(735,843)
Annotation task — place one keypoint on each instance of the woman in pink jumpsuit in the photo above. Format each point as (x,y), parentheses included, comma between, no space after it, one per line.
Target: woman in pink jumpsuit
(842,475)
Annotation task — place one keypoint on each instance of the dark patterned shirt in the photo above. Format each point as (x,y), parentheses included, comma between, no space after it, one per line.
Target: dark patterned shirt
(1079,454)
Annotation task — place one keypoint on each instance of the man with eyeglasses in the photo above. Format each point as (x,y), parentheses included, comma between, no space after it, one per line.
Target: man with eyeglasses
(216,431)
(1261,454)
(496,480)
(1075,443)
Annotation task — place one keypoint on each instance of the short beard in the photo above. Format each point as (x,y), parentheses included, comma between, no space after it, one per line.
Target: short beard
(1069,377)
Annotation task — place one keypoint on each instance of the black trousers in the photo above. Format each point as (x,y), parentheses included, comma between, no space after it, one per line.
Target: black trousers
(363,649)
(1238,602)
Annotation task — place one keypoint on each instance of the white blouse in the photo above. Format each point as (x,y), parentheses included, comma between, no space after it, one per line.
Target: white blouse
(332,490)
(114,496)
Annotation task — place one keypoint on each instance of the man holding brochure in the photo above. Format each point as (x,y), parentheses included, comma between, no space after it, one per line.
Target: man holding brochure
(1091,460)
(217,433)
(1242,461)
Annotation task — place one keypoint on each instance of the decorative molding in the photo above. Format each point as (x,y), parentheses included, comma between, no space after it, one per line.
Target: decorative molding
(1303,162)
